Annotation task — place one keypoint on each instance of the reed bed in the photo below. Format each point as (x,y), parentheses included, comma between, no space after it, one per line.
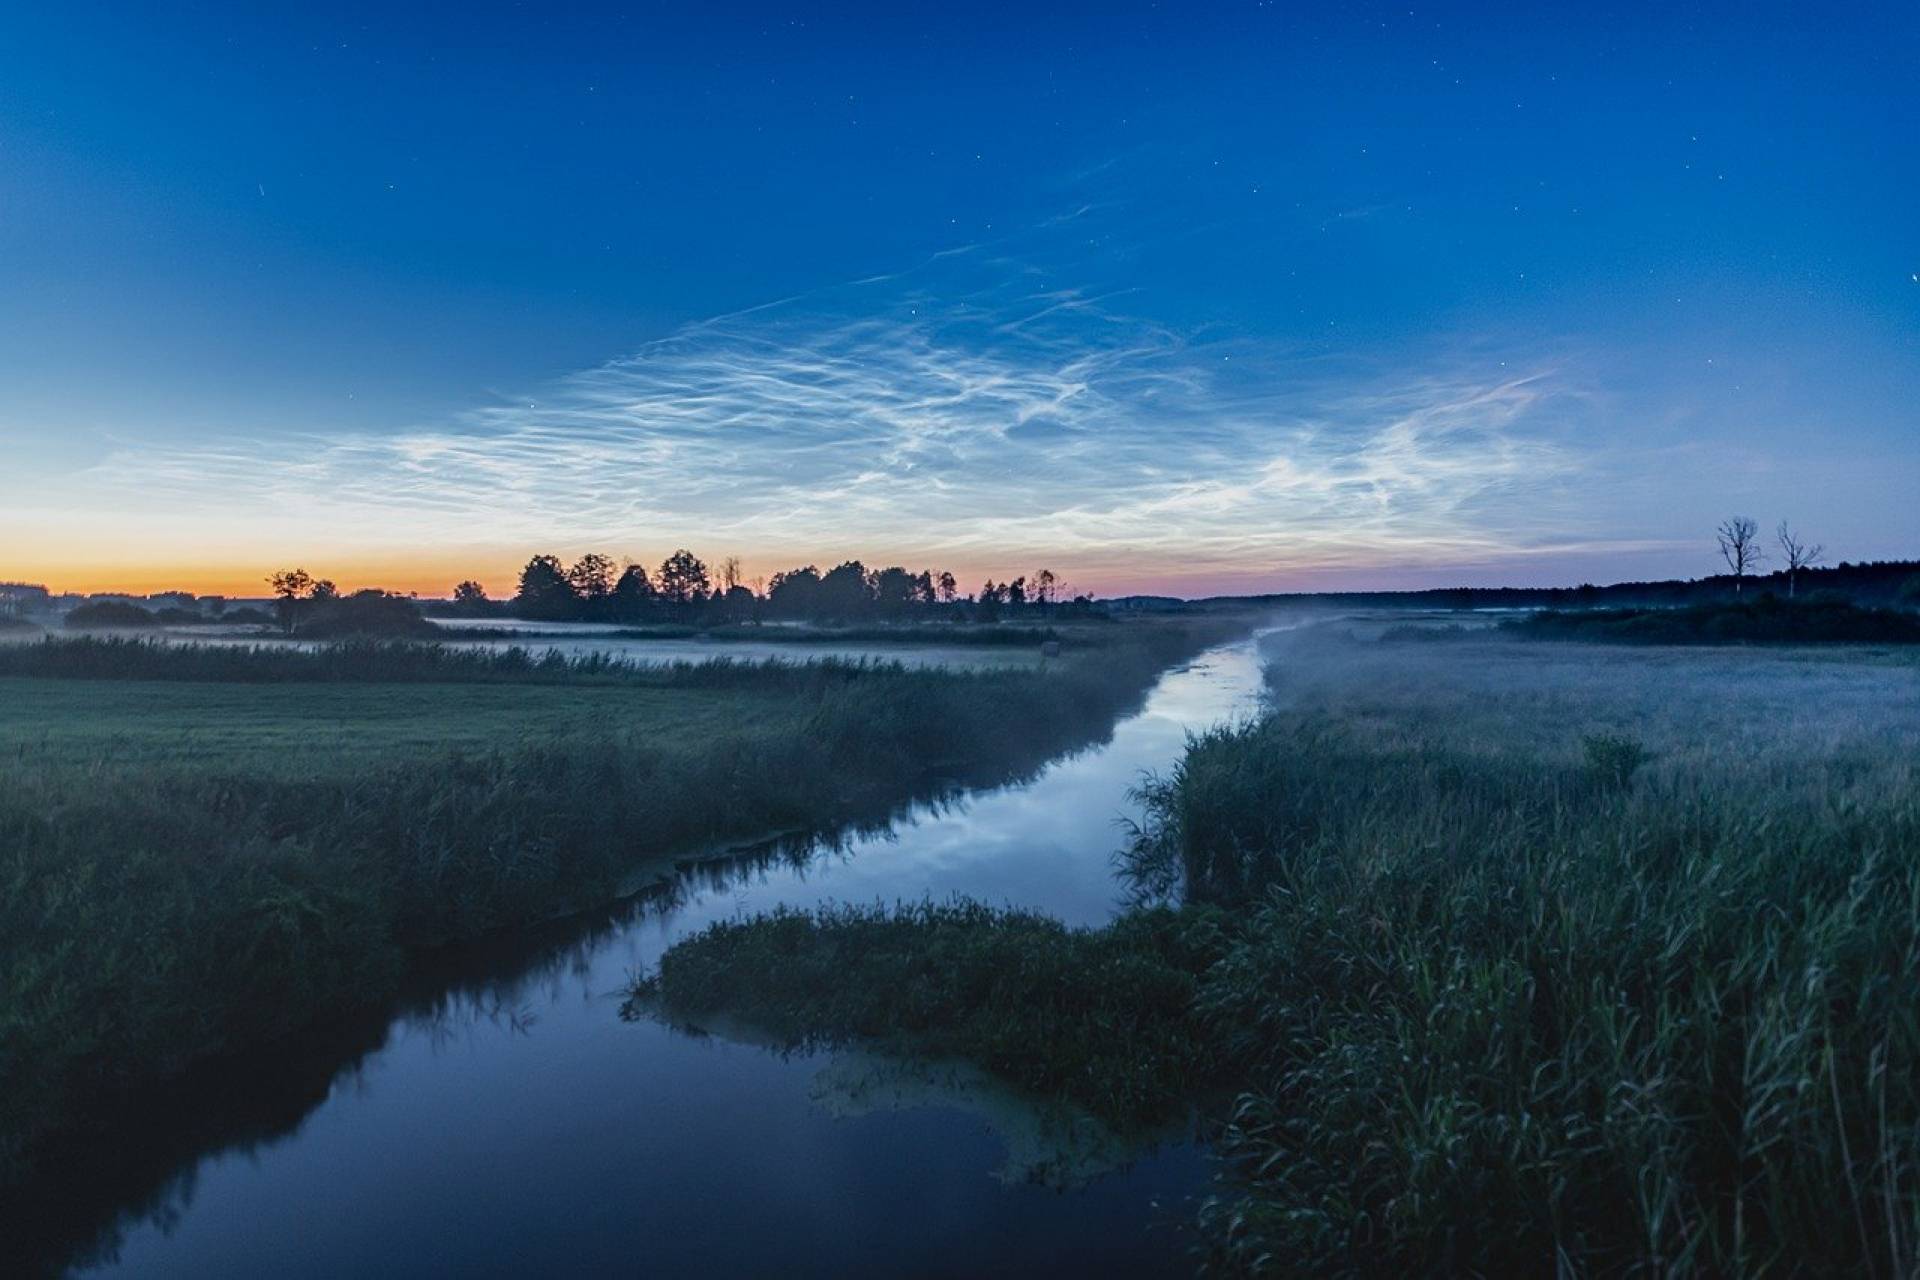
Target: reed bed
(1512,959)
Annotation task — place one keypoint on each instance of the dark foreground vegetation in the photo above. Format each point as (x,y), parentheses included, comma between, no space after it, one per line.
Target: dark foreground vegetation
(1760,620)
(1101,1018)
(1513,961)
(234,844)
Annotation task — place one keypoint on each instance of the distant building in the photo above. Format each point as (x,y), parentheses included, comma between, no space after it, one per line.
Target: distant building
(20,598)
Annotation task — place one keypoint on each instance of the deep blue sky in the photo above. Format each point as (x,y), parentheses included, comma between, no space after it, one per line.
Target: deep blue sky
(1200,297)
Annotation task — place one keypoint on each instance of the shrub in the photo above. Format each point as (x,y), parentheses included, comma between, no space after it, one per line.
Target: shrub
(366,613)
(103,614)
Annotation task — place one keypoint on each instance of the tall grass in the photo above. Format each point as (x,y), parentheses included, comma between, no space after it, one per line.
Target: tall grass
(1521,960)
(1103,1018)
(152,915)
(1500,1012)
(1504,1009)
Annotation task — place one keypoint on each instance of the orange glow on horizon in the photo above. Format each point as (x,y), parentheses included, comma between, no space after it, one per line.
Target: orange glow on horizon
(434,576)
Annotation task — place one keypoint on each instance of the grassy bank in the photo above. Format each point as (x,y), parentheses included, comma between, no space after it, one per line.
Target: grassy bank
(1517,957)
(1103,1019)
(228,844)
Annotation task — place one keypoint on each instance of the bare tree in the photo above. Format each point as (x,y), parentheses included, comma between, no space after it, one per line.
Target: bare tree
(1739,540)
(729,573)
(1800,555)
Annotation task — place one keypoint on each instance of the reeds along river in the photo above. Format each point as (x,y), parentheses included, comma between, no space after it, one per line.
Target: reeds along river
(507,1121)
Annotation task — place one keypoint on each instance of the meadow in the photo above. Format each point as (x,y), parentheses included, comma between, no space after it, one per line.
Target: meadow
(1498,956)
(204,849)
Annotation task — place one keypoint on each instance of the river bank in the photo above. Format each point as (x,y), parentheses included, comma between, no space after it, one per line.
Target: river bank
(1510,952)
(218,859)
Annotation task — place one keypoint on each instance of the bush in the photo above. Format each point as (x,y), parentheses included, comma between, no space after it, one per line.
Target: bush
(365,613)
(106,614)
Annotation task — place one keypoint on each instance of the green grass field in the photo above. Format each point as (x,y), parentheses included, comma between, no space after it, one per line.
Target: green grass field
(345,727)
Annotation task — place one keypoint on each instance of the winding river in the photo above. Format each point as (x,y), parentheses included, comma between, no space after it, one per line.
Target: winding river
(509,1122)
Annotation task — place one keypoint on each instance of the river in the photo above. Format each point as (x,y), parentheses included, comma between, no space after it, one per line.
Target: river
(509,1122)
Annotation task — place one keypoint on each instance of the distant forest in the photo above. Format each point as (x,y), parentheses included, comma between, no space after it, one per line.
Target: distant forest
(1879,582)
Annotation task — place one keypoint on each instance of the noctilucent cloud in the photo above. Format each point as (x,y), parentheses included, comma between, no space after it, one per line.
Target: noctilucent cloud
(1189,298)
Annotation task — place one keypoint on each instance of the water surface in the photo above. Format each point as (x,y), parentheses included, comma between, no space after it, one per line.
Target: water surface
(509,1122)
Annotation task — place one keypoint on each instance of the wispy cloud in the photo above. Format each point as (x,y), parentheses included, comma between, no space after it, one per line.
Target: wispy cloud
(965,411)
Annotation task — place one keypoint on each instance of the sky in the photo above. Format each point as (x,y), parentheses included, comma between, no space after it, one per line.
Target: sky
(1183,298)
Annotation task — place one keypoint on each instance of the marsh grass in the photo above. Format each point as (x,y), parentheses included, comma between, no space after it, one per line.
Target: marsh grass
(1103,1019)
(1501,1013)
(1484,1008)
(159,906)
(1614,758)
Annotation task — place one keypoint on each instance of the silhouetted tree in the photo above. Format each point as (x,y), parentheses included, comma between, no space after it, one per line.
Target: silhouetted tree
(545,592)
(324,590)
(289,585)
(987,607)
(948,587)
(794,593)
(736,602)
(1043,586)
(632,594)
(1799,555)
(682,579)
(845,590)
(591,577)
(1739,547)
(894,590)
(470,595)
(729,575)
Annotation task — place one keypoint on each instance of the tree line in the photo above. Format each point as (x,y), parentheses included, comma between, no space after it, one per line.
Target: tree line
(596,589)
(1740,548)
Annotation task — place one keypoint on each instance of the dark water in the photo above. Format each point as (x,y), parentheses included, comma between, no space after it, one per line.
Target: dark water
(509,1122)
